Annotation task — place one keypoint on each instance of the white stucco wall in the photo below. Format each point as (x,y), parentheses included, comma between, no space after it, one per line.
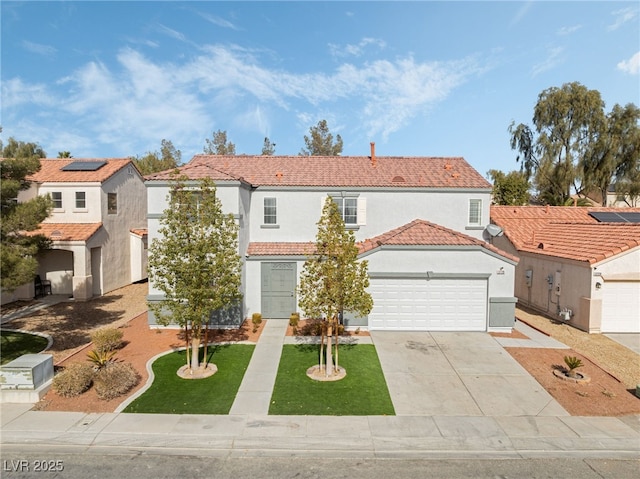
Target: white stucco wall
(298,211)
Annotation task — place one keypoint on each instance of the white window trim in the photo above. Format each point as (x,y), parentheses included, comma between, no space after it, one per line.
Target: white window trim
(361,208)
(264,206)
(478,202)
(80,209)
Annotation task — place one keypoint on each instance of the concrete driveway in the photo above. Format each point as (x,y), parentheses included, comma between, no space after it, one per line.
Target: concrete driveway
(458,374)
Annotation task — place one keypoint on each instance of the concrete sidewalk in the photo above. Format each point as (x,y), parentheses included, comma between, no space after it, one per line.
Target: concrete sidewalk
(340,437)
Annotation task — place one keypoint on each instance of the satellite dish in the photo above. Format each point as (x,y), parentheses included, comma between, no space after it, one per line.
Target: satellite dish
(494,230)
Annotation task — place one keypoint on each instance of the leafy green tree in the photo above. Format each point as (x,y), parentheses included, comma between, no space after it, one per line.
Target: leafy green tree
(333,280)
(615,154)
(268,148)
(321,142)
(567,121)
(22,149)
(168,157)
(19,264)
(510,189)
(195,261)
(219,144)
(64,154)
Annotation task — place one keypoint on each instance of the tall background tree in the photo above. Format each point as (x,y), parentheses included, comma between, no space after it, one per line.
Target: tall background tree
(576,146)
(510,189)
(19,250)
(321,142)
(64,154)
(268,148)
(195,261)
(167,158)
(333,280)
(219,144)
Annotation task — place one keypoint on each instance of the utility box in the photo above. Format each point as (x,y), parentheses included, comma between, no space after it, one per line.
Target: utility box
(528,276)
(28,372)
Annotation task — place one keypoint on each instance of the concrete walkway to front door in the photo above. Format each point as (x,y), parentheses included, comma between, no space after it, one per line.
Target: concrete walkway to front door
(458,374)
(254,394)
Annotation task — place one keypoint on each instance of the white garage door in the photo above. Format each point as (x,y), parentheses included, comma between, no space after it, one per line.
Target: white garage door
(428,305)
(620,307)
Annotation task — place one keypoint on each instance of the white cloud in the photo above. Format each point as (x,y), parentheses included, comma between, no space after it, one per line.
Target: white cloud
(554,58)
(170,32)
(568,30)
(521,13)
(40,49)
(623,16)
(140,101)
(355,50)
(15,92)
(221,22)
(631,66)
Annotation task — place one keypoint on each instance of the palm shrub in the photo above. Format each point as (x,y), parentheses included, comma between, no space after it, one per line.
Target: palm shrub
(100,359)
(107,339)
(115,380)
(75,379)
(294,319)
(572,363)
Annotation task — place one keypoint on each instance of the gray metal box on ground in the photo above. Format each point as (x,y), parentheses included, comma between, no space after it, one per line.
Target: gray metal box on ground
(29,371)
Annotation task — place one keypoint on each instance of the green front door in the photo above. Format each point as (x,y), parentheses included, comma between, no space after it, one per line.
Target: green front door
(278,290)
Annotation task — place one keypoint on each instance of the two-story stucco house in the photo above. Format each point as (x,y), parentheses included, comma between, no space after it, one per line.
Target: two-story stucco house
(97,227)
(419,222)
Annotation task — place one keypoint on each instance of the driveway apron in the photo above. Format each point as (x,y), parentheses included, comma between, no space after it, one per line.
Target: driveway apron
(458,374)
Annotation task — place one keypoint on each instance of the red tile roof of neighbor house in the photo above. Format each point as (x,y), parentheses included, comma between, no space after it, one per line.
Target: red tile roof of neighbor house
(67,231)
(347,171)
(416,233)
(139,231)
(51,170)
(566,231)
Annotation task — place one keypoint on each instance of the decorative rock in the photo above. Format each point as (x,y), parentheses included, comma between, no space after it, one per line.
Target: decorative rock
(581,379)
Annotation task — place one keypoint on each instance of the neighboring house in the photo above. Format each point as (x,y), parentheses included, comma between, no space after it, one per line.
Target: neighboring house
(581,265)
(97,227)
(420,223)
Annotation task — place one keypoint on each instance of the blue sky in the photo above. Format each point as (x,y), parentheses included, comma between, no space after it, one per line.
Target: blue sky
(112,79)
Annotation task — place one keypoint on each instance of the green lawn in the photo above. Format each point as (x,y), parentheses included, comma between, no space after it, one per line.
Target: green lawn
(214,395)
(363,392)
(14,344)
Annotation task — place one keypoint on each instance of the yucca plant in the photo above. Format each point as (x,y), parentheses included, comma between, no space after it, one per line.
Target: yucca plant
(100,359)
(572,363)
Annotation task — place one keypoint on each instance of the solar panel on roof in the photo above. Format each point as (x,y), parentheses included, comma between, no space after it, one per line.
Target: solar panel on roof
(83,166)
(615,217)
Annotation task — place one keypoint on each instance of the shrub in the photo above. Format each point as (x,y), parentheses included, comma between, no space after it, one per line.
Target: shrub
(115,380)
(107,339)
(256,319)
(294,319)
(572,363)
(100,359)
(73,380)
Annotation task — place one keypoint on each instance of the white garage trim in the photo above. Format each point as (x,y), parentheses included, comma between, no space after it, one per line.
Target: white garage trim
(620,307)
(429,302)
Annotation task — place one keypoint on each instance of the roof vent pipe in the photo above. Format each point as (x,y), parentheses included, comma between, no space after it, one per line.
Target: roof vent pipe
(373,154)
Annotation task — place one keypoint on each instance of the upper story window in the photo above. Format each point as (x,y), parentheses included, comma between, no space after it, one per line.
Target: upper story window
(475,212)
(352,208)
(112,203)
(56,196)
(81,199)
(348,209)
(270,211)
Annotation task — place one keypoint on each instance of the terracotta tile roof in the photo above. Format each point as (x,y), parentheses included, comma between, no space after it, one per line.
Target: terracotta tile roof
(139,231)
(417,233)
(565,231)
(354,171)
(424,233)
(584,242)
(67,231)
(51,171)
